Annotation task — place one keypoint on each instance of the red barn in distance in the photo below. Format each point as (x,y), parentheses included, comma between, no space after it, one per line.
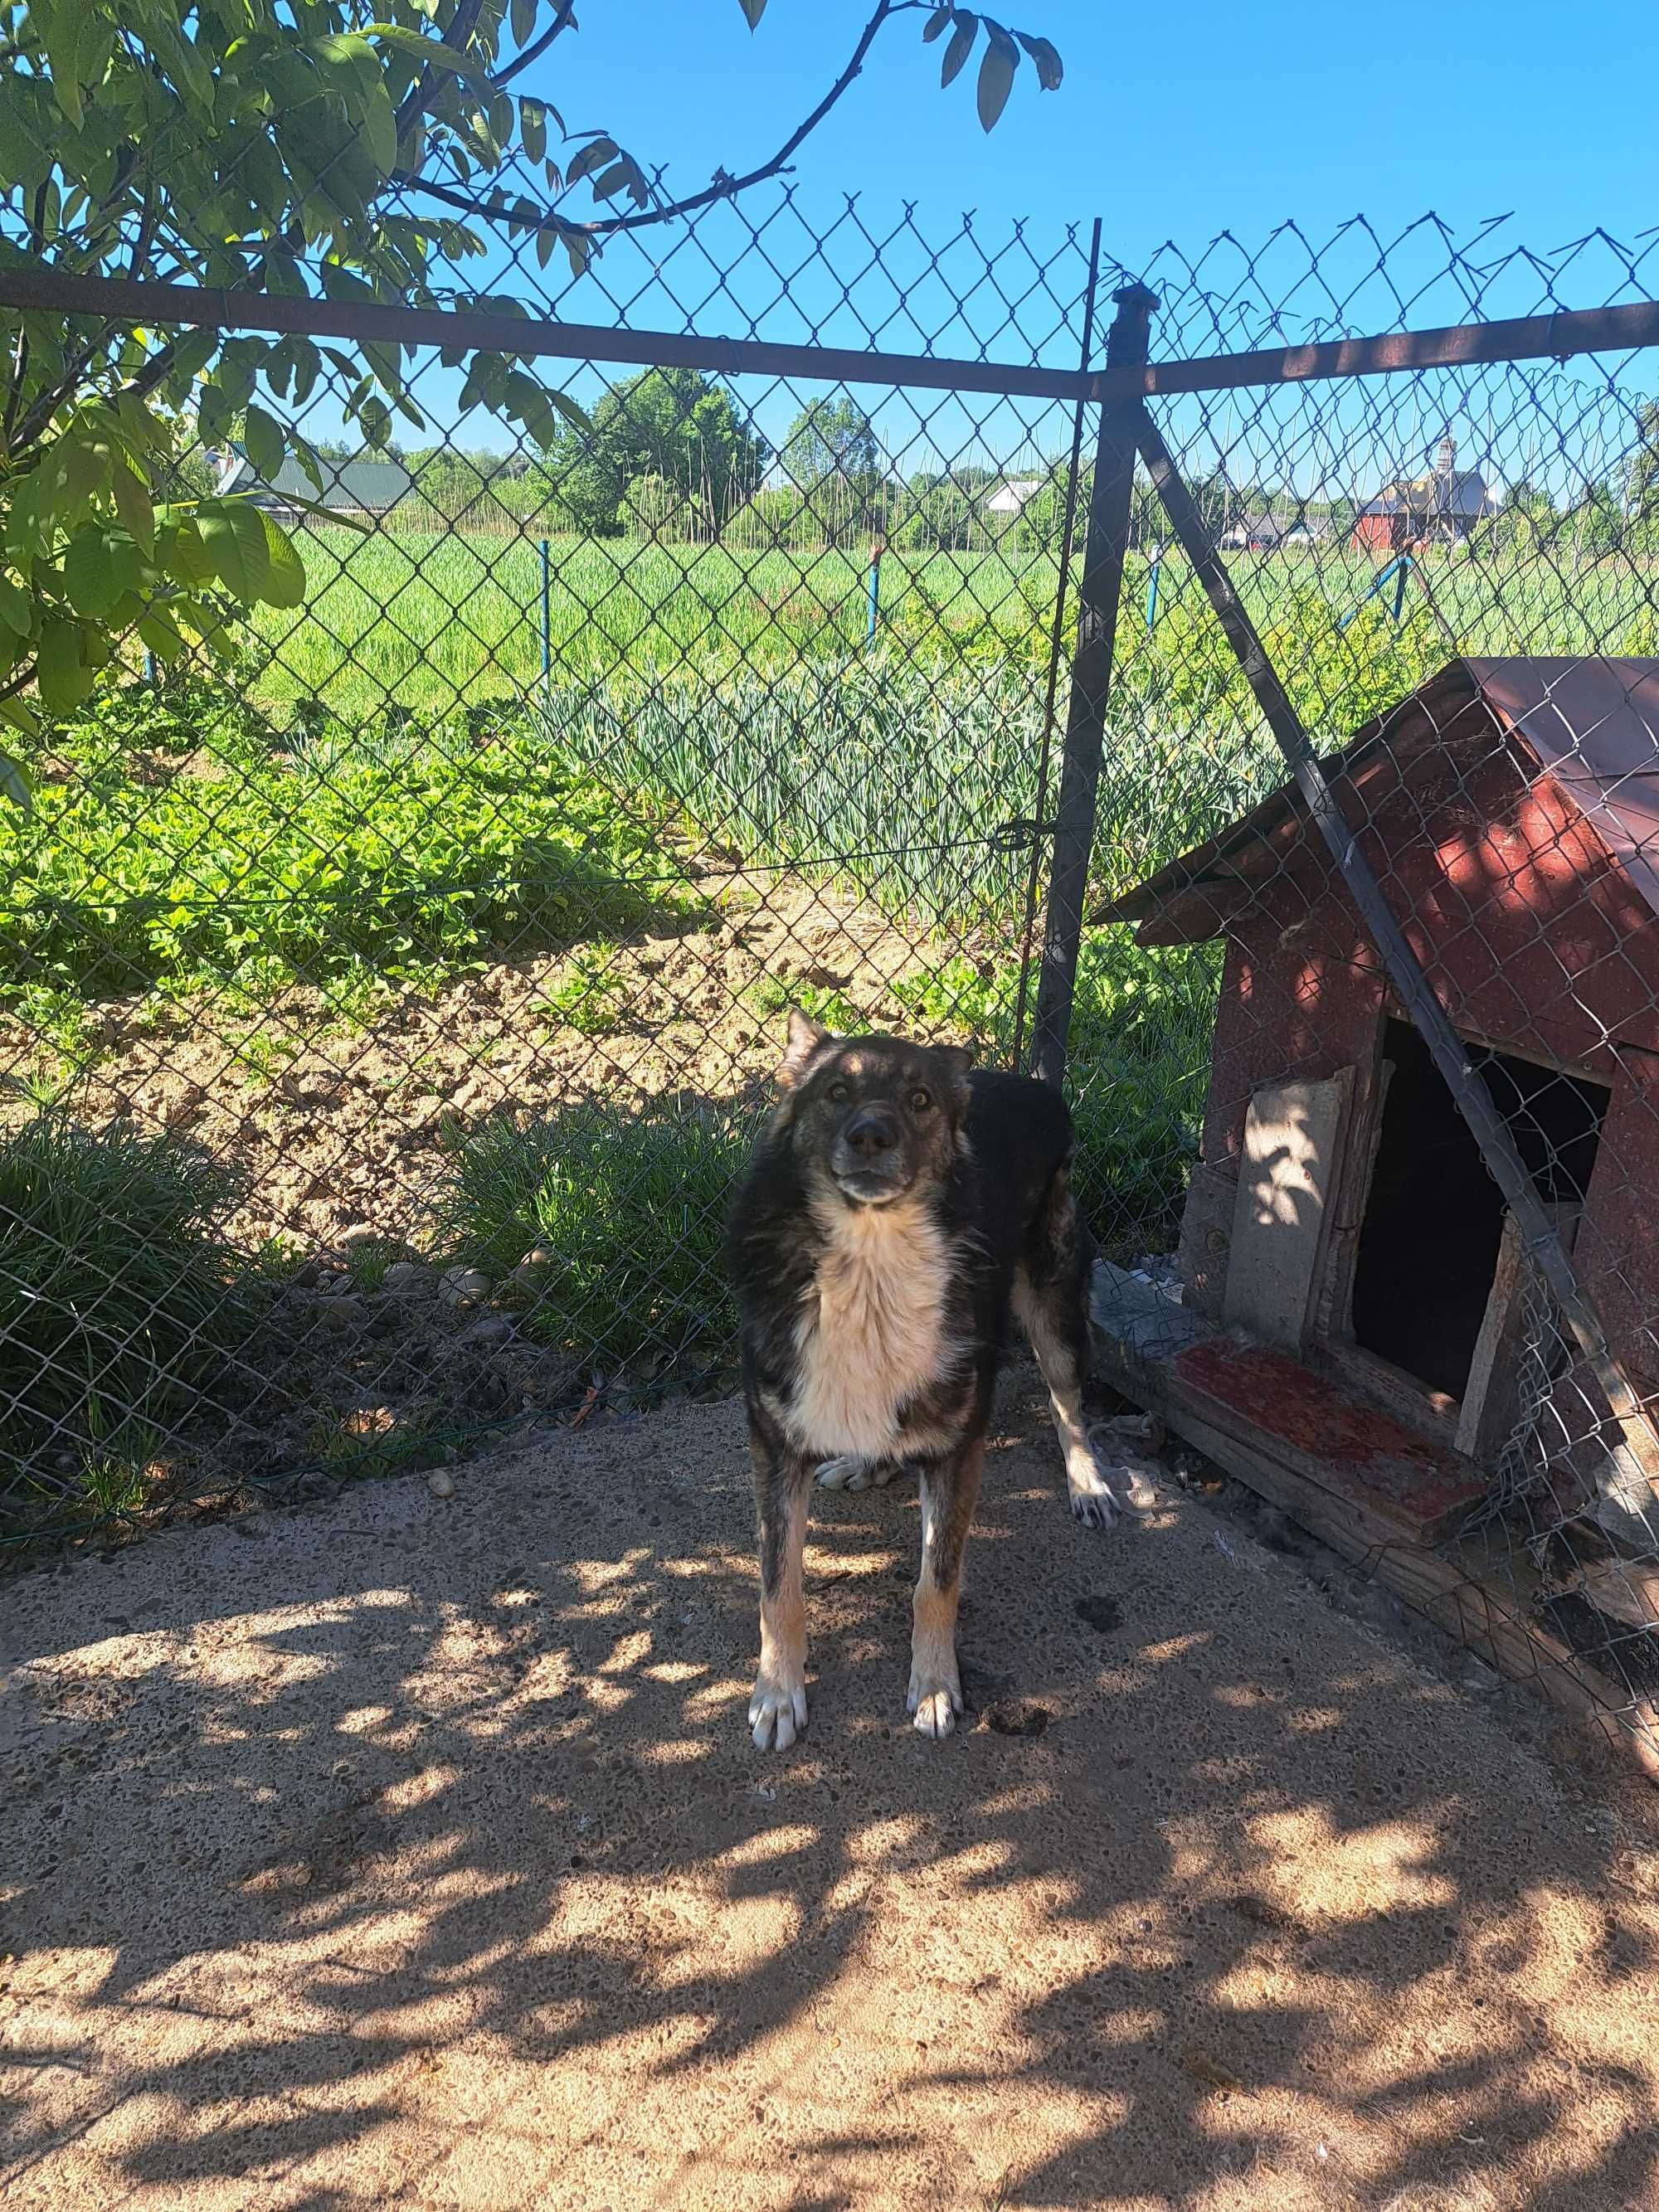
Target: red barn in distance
(1352,1334)
(1440,508)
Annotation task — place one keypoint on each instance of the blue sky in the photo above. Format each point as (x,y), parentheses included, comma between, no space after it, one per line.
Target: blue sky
(1172,125)
(1175,121)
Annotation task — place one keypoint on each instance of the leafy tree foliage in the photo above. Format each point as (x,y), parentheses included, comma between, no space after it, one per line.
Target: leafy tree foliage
(257,145)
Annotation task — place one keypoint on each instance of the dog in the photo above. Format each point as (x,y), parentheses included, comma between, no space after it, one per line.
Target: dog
(900,1203)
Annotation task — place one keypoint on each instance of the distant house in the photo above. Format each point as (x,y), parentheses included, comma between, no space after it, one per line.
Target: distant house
(362,491)
(1009,498)
(1440,508)
(1256,534)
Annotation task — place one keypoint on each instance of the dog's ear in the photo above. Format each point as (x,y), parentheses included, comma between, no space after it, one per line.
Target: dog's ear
(957,1060)
(807,1039)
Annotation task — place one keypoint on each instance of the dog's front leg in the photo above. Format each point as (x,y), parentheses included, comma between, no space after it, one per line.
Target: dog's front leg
(783,1484)
(950,1491)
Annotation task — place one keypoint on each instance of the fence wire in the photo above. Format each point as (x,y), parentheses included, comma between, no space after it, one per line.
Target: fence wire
(388,998)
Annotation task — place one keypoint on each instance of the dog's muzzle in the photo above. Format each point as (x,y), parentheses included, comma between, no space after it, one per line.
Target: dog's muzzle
(868,1159)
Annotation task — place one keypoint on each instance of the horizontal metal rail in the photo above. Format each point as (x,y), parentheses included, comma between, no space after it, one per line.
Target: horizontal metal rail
(119,298)
(1459,345)
(47,290)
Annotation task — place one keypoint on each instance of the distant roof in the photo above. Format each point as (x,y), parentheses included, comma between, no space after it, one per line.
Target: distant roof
(371,486)
(1593,725)
(1014,493)
(1463,493)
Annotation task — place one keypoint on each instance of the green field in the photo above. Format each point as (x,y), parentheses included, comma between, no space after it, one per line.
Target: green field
(432,623)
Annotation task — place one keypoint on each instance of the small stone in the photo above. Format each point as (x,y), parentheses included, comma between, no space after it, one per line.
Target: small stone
(440,1482)
(409,1279)
(463,1286)
(494,1328)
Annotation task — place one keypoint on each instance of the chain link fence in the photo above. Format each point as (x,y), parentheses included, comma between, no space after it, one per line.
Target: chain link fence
(1266,746)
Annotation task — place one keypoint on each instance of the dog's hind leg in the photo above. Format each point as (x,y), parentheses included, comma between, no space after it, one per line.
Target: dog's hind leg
(950,1491)
(1051,1288)
(783,1484)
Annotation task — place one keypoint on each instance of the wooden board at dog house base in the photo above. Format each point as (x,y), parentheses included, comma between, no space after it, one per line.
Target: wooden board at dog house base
(1511,810)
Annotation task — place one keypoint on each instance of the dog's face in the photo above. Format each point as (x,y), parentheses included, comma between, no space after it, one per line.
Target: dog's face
(872,1117)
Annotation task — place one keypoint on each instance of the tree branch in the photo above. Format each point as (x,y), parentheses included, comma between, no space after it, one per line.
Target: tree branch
(724,186)
(457,37)
(533,52)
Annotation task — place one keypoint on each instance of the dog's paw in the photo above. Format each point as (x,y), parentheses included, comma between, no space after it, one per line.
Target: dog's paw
(1093,1502)
(843,1474)
(777,1712)
(859,1473)
(935,1702)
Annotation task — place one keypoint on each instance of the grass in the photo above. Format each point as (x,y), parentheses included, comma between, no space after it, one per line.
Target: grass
(386,850)
(119,1303)
(632,1212)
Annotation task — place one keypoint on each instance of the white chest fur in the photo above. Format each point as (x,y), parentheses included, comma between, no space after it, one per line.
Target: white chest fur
(871,1330)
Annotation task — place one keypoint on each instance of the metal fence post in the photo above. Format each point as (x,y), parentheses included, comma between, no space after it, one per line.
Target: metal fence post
(1105,542)
(547,611)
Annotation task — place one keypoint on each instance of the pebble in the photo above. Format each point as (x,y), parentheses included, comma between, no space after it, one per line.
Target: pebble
(463,1286)
(440,1482)
(409,1279)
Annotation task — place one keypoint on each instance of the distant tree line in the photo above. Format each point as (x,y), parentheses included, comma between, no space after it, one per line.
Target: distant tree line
(668,454)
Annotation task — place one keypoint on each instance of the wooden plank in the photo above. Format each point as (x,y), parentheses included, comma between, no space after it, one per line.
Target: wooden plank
(1293,1138)
(1470,1608)
(1406,1484)
(1491,1404)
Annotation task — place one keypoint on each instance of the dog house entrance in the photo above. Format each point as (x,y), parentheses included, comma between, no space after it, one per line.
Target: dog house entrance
(1434,1218)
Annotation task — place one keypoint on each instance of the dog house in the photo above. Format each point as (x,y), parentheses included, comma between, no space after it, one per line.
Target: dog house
(1359,1330)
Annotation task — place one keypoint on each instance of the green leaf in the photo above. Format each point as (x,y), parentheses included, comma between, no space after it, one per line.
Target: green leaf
(996,74)
(577,247)
(89,573)
(523,21)
(286,585)
(753,10)
(14,781)
(960,46)
(233,534)
(375,418)
(575,415)
(61,673)
(160,636)
(432,53)
(936,26)
(593,155)
(266,442)
(16,608)
(132,502)
(611,182)
(381,129)
(532,129)
(1049,68)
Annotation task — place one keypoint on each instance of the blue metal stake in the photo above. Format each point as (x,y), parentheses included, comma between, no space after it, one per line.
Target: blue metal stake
(547,612)
(1152,588)
(149,667)
(876,551)
(1400,588)
(1375,587)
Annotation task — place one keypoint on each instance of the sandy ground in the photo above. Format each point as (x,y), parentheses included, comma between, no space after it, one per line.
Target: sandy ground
(409,1849)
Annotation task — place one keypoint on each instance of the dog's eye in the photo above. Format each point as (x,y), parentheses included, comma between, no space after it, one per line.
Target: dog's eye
(920,1102)
(838,1094)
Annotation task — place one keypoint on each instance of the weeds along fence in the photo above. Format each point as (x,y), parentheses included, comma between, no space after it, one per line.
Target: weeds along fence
(1156,678)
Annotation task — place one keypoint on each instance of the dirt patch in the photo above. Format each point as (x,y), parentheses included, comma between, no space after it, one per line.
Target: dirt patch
(414,1850)
(337,1131)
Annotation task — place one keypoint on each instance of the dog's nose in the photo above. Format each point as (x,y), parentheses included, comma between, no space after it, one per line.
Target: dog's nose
(872,1130)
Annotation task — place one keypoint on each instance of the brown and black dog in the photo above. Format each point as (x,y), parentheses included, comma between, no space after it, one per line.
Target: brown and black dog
(898,1205)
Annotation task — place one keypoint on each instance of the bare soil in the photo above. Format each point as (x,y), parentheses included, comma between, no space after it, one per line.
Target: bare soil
(413,1850)
(338,1131)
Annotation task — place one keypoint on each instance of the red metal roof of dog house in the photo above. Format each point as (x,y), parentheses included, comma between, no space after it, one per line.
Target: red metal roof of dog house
(1511,811)
(1511,808)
